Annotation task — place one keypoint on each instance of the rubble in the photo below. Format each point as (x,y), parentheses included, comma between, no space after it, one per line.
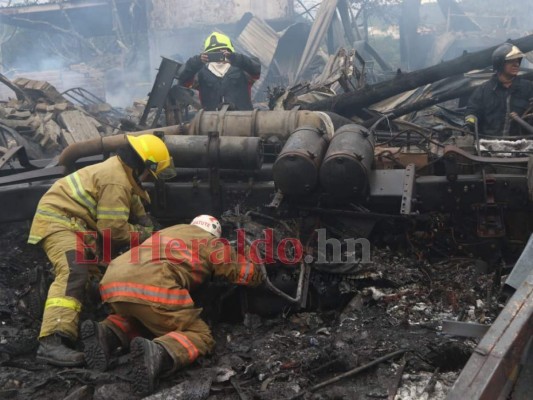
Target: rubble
(375,330)
(276,357)
(45,122)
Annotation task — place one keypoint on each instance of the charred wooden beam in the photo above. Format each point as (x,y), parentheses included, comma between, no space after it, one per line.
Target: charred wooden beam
(428,102)
(349,104)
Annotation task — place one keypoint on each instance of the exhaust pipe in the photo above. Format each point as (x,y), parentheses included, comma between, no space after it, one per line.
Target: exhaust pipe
(75,151)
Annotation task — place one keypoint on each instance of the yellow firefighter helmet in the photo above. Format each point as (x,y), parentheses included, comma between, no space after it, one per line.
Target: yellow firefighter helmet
(217,41)
(154,154)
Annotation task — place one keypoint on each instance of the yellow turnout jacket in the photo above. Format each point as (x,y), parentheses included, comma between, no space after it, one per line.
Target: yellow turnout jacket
(98,197)
(163,269)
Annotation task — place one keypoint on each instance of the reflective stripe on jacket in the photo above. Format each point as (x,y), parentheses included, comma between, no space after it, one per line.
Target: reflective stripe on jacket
(173,261)
(97,198)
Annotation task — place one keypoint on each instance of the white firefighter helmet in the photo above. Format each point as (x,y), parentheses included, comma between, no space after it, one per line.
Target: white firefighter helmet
(503,53)
(209,224)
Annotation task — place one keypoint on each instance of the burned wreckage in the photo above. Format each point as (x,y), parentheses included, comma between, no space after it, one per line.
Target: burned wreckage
(331,176)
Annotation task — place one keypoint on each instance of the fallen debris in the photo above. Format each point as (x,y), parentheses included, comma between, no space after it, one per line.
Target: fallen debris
(45,122)
(350,373)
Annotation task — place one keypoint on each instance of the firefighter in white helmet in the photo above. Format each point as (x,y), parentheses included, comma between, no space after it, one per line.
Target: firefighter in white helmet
(150,287)
(491,103)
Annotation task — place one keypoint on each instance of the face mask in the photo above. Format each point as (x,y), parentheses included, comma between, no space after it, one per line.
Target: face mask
(218,69)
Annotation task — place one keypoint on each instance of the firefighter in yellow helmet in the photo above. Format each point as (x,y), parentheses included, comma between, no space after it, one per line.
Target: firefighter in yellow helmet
(149,287)
(222,75)
(99,201)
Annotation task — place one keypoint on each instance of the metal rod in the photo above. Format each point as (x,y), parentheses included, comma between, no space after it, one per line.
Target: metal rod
(270,286)
(350,373)
(522,123)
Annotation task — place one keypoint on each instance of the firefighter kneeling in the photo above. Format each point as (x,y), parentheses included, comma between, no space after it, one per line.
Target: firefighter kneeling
(148,289)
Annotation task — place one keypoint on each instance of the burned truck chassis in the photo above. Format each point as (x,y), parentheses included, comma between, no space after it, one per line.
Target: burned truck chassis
(457,211)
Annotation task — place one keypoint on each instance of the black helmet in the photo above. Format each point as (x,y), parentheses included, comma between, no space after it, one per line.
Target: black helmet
(504,53)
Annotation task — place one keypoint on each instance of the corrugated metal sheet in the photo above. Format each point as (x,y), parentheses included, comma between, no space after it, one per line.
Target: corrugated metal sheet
(174,14)
(318,33)
(260,40)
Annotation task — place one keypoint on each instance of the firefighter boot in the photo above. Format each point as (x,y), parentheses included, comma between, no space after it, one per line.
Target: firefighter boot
(53,351)
(149,361)
(99,342)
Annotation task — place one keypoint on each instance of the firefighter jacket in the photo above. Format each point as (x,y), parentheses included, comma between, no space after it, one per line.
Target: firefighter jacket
(233,88)
(99,197)
(492,103)
(172,262)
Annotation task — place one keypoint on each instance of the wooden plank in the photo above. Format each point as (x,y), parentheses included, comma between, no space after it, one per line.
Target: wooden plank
(78,127)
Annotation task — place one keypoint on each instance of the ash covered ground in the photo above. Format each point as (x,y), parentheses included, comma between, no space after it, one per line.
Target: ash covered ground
(399,306)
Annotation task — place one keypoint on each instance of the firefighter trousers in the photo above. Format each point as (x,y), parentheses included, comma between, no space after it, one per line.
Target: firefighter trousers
(67,293)
(183,334)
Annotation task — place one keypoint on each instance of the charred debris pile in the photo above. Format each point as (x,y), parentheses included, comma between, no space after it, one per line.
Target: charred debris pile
(442,236)
(394,305)
(45,121)
(445,224)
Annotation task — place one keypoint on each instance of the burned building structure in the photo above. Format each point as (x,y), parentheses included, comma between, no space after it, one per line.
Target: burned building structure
(115,46)
(384,159)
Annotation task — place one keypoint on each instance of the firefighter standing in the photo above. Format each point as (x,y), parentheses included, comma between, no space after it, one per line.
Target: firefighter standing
(491,104)
(77,210)
(225,82)
(148,287)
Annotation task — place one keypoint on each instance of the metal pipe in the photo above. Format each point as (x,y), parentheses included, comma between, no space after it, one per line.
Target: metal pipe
(270,286)
(522,123)
(75,151)
(263,124)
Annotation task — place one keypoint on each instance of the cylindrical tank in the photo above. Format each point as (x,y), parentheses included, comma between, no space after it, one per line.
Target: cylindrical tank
(233,152)
(262,124)
(345,170)
(296,169)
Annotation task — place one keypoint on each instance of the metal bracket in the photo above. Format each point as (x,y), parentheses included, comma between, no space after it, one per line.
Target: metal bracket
(408,190)
(490,222)
(276,201)
(465,329)
(305,285)
(161,193)
(451,168)
(213,159)
(162,84)
(20,152)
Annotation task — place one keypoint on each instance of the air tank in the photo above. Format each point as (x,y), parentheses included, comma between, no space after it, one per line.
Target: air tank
(230,153)
(345,170)
(263,124)
(297,166)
